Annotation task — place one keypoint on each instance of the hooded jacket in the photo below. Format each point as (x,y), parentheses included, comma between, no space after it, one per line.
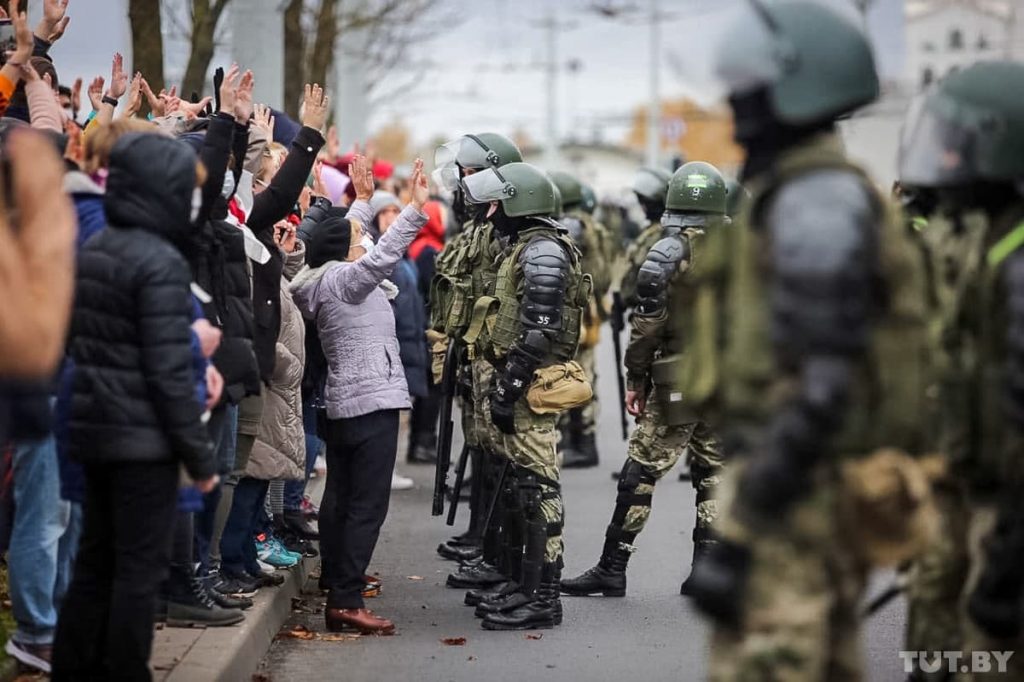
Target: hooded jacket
(355,321)
(133,395)
(280,448)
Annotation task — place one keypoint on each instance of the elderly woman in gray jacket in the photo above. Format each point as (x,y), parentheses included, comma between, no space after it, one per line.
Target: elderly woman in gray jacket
(341,289)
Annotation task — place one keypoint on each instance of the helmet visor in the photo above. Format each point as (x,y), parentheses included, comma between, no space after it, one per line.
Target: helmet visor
(749,53)
(938,150)
(650,185)
(487,186)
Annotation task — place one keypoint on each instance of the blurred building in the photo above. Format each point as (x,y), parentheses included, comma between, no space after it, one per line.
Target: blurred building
(947,35)
(690,132)
(608,168)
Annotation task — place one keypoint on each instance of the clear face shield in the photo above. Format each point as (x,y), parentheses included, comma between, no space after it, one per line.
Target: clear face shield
(487,186)
(938,145)
(467,152)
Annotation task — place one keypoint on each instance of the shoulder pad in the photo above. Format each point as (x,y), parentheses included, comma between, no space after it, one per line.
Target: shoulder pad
(544,251)
(662,263)
(669,250)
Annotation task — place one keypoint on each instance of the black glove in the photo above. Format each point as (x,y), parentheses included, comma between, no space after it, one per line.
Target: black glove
(503,416)
(718,582)
(769,486)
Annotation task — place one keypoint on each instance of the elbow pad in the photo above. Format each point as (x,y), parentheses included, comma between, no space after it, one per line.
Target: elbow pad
(546,271)
(525,356)
(664,259)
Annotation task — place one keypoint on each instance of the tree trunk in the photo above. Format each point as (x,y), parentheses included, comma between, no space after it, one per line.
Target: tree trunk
(147,41)
(322,54)
(294,57)
(205,18)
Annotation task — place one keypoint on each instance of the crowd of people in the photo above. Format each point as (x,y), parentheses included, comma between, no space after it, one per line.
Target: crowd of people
(218,299)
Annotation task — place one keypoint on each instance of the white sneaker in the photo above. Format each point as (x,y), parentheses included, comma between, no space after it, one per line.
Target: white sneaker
(28,654)
(320,468)
(401,482)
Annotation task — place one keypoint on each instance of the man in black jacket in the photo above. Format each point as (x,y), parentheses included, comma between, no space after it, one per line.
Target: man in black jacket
(135,414)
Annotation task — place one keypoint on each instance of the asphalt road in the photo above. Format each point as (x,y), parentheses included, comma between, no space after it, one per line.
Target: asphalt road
(651,634)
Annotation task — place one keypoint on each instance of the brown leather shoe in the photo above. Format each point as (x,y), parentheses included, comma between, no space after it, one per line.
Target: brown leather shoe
(362,620)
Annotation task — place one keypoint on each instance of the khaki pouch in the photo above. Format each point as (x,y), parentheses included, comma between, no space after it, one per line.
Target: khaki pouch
(558,388)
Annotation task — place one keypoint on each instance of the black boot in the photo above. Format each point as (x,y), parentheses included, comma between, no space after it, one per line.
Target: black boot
(702,542)
(189,605)
(296,521)
(457,552)
(482,574)
(540,610)
(608,578)
(492,593)
(584,455)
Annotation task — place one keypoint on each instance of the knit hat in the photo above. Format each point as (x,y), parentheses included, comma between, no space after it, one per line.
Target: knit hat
(330,241)
(381,200)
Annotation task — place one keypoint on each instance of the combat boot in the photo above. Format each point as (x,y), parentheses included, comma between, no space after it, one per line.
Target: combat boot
(482,574)
(583,455)
(460,553)
(607,578)
(701,544)
(482,594)
(541,610)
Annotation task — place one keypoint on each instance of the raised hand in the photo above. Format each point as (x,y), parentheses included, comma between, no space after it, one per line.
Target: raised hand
(418,185)
(319,188)
(22,36)
(118,78)
(229,90)
(134,96)
(157,104)
(193,109)
(263,120)
(333,144)
(315,103)
(55,20)
(76,97)
(361,173)
(95,92)
(243,98)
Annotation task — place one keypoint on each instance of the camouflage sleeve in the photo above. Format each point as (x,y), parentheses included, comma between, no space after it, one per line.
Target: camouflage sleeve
(644,340)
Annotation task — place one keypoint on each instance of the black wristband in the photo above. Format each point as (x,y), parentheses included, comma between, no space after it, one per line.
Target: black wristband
(107,99)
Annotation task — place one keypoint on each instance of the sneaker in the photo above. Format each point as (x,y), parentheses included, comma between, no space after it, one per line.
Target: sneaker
(270,551)
(308,508)
(401,482)
(320,468)
(32,655)
(234,586)
(268,579)
(199,609)
(287,552)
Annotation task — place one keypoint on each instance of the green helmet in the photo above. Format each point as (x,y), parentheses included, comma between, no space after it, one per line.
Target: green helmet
(570,188)
(522,189)
(736,197)
(476,152)
(589,202)
(651,183)
(559,203)
(695,190)
(969,127)
(814,64)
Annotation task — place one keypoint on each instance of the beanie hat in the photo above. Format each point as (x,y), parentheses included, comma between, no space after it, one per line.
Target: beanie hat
(330,241)
(381,200)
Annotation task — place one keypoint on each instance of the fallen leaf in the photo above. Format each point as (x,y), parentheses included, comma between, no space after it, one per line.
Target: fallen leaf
(338,637)
(453,641)
(298,632)
(415,577)
(471,658)
(534,636)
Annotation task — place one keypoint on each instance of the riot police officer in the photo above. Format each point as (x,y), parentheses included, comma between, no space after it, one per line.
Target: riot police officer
(665,332)
(650,187)
(530,341)
(578,427)
(963,150)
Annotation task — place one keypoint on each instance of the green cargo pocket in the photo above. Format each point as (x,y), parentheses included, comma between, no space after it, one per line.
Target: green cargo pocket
(669,392)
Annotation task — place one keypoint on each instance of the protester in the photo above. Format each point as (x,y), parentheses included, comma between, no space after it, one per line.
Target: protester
(131,329)
(341,290)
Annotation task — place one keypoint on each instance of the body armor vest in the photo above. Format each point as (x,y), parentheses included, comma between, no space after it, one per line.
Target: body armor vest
(500,312)
(892,401)
(466,270)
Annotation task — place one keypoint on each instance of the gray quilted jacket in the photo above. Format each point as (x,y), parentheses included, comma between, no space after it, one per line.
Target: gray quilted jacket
(355,321)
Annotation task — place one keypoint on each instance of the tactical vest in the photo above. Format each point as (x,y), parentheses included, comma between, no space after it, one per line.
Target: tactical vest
(893,399)
(688,370)
(496,321)
(465,271)
(635,256)
(971,348)
(594,249)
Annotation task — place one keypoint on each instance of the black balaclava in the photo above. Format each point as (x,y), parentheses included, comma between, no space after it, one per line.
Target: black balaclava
(653,208)
(506,226)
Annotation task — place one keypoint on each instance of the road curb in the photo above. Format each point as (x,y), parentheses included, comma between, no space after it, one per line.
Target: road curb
(234,653)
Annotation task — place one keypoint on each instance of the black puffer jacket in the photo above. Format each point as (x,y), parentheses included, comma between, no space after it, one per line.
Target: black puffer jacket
(134,394)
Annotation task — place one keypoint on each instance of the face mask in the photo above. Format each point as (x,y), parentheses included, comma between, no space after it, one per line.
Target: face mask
(228,188)
(197,203)
(367,243)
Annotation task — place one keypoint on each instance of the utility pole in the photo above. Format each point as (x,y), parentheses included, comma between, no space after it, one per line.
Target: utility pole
(552,27)
(654,103)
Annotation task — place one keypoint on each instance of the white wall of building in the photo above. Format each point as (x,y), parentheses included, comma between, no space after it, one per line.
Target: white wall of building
(932,45)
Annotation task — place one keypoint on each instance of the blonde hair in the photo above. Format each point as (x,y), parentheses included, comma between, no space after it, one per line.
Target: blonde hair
(270,162)
(100,142)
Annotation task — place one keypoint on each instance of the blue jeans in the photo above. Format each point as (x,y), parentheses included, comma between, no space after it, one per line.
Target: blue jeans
(66,553)
(223,427)
(238,545)
(294,490)
(40,518)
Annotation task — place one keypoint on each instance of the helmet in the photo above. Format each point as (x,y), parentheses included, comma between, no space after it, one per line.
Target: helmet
(695,188)
(569,186)
(522,189)
(589,202)
(736,197)
(486,150)
(812,63)
(651,183)
(969,127)
(559,203)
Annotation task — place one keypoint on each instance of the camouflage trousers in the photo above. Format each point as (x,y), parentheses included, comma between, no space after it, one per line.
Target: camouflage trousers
(656,447)
(532,447)
(583,420)
(800,612)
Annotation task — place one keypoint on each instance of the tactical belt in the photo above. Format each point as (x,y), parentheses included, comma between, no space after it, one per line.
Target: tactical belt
(635,499)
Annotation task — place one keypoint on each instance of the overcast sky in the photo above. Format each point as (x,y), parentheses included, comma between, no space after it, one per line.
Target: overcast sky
(488,67)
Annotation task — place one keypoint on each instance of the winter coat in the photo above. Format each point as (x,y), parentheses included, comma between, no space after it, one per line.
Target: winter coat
(411,327)
(356,323)
(134,385)
(280,448)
